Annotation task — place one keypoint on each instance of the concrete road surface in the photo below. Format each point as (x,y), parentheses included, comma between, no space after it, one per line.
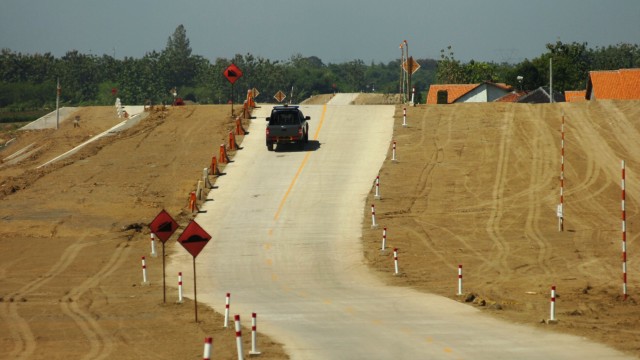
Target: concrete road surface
(286,244)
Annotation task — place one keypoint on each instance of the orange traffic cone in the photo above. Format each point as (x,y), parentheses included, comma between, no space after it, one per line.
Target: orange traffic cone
(193,206)
(239,128)
(213,169)
(223,155)
(232,141)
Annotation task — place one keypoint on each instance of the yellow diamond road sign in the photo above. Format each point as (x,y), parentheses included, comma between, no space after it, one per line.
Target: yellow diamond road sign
(255,93)
(279,96)
(410,65)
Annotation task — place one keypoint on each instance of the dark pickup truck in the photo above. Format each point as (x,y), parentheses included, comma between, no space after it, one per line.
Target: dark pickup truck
(287,124)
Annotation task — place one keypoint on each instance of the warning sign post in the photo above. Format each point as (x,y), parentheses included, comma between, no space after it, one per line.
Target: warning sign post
(232,73)
(163,226)
(194,239)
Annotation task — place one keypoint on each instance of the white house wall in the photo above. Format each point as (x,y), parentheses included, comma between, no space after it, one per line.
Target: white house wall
(483,93)
(478,94)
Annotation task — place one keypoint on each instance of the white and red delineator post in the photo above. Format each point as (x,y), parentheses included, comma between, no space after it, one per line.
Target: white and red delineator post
(377,195)
(373,217)
(238,337)
(144,272)
(227,301)
(180,299)
(384,239)
(552,305)
(624,236)
(460,280)
(254,330)
(153,245)
(395,261)
(404,116)
(393,153)
(208,346)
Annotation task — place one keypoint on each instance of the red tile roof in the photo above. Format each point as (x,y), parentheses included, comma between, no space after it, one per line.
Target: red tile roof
(575,96)
(511,97)
(614,84)
(455,91)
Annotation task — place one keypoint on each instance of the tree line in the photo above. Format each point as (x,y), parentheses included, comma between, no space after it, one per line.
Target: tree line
(29,80)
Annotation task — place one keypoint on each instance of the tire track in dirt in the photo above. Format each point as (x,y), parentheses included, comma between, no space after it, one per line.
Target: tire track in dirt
(441,141)
(626,134)
(100,342)
(21,331)
(493,227)
(585,197)
(425,182)
(537,171)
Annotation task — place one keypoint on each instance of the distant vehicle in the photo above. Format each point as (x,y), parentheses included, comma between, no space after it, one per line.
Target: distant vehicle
(287,124)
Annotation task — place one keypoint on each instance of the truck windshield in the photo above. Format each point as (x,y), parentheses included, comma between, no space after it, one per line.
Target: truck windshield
(284,118)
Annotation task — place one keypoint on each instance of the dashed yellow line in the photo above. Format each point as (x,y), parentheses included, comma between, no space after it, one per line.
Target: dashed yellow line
(304,162)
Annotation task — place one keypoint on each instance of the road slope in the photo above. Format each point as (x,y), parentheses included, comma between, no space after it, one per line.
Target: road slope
(286,244)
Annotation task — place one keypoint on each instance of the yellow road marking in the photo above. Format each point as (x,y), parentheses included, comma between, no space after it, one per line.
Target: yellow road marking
(304,162)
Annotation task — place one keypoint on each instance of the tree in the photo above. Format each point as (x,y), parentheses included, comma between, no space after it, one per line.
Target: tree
(78,75)
(176,63)
(450,71)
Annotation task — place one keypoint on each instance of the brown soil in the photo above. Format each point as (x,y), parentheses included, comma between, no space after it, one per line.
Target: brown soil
(73,235)
(474,184)
(478,184)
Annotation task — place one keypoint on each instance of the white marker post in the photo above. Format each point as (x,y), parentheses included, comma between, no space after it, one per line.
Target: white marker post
(552,315)
(624,236)
(238,337)
(384,239)
(561,206)
(254,330)
(404,115)
(393,153)
(373,217)
(153,245)
(460,280)
(226,310)
(377,195)
(395,261)
(208,345)
(144,272)
(180,300)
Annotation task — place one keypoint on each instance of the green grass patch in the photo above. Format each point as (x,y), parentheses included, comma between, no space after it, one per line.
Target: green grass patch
(21,116)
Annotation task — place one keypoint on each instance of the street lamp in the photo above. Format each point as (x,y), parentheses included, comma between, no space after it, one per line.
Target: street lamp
(520,78)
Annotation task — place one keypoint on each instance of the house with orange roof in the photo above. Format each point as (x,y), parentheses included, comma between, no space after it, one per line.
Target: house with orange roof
(575,96)
(623,84)
(460,93)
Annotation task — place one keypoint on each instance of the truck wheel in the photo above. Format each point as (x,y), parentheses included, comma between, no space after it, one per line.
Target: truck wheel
(306,137)
(270,146)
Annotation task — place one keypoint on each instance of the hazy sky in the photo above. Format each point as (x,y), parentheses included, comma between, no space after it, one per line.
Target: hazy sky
(334,30)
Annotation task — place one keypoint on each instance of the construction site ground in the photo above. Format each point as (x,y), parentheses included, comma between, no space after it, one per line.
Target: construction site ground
(473,184)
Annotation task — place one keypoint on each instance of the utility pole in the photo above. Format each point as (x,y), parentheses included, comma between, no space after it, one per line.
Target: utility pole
(408,88)
(401,89)
(58,91)
(551,80)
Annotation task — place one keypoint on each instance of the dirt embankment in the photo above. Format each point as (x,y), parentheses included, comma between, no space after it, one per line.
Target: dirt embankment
(474,184)
(73,234)
(478,185)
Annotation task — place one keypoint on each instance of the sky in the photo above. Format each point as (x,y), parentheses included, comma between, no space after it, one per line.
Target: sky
(336,31)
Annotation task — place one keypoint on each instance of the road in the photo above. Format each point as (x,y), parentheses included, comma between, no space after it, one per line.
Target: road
(286,229)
